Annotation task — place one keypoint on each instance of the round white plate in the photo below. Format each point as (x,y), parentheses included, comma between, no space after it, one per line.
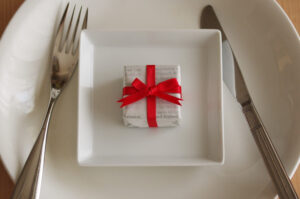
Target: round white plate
(267,48)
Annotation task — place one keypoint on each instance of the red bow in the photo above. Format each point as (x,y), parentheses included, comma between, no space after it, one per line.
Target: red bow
(139,90)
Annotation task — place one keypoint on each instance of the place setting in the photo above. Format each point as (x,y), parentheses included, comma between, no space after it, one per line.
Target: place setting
(151,99)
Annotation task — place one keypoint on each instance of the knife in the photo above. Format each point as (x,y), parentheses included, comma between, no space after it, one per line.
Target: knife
(270,156)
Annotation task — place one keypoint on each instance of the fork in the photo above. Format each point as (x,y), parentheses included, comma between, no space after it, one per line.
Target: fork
(64,62)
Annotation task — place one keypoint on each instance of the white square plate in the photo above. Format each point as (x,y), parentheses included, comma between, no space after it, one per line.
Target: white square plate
(103,140)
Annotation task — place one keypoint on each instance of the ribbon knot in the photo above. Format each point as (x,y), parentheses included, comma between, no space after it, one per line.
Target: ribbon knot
(138,90)
(151,90)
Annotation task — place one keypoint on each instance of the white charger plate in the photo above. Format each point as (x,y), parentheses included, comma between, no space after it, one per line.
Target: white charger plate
(266,46)
(103,140)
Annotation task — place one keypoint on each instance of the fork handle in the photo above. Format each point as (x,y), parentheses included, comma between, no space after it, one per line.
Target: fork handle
(270,156)
(28,185)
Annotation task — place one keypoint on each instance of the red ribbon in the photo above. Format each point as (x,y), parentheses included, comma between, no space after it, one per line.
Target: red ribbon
(139,90)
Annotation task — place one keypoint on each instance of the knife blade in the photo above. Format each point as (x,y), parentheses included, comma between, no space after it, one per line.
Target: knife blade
(227,56)
(270,156)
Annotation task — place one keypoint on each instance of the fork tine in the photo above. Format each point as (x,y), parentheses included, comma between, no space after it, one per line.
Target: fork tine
(77,23)
(68,31)
(76,26)
(84,26)
(59,33)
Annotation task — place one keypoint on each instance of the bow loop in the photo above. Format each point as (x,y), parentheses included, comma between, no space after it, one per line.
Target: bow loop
(138,84)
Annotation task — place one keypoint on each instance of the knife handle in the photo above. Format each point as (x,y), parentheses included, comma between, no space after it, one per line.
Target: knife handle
(270,156)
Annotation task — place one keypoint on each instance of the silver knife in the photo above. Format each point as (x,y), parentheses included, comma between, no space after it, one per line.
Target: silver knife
(271,158)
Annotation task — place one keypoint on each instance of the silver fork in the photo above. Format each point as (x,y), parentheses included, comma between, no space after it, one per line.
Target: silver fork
(64,62)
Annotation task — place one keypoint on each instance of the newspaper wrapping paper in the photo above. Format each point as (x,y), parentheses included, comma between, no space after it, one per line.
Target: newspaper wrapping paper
(167,114)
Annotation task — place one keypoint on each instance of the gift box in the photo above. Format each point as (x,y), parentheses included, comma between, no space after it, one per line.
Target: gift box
(151,96)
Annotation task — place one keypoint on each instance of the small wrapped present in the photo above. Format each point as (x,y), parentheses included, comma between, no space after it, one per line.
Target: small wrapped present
(151,96)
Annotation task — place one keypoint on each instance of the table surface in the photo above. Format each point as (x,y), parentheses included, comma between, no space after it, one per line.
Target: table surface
(8,8)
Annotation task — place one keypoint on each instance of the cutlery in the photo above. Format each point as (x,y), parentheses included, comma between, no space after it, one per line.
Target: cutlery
(64,62)
(271,158)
